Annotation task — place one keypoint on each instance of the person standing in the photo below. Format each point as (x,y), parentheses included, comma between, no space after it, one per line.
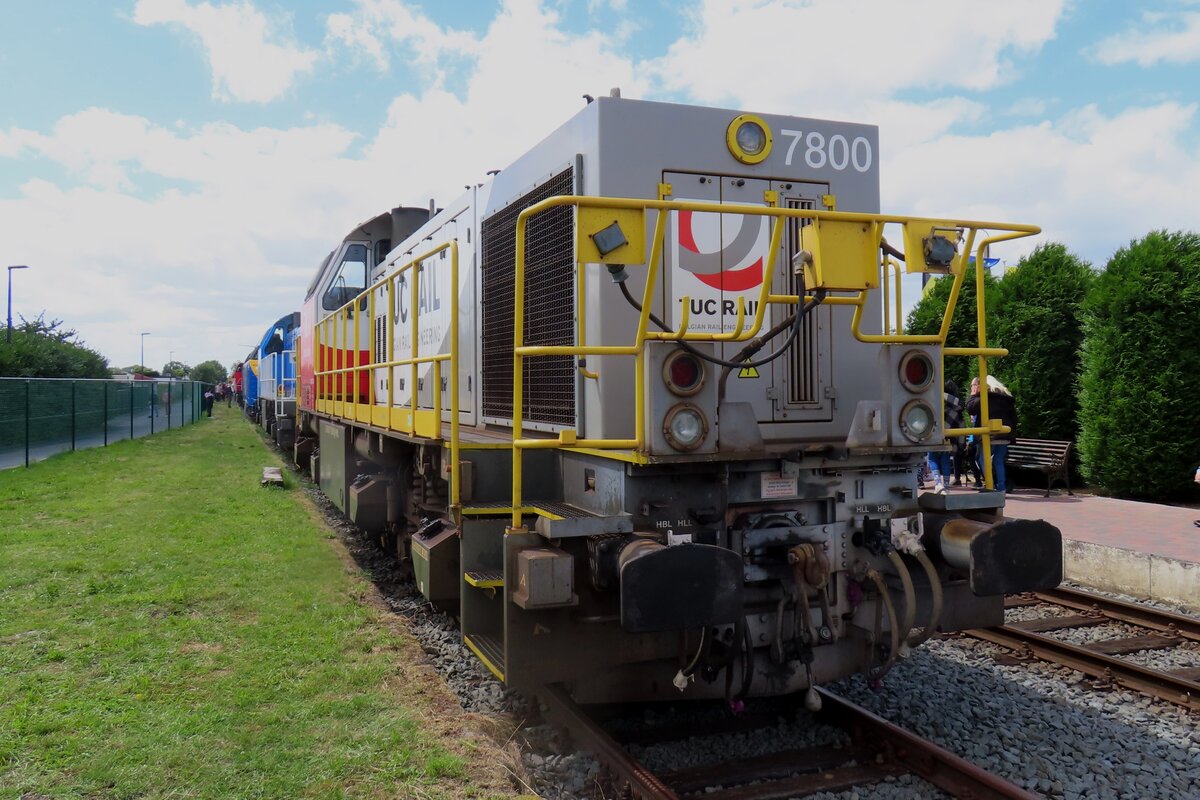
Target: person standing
(943,462)
(1002,406)
(209,397)
(237,382)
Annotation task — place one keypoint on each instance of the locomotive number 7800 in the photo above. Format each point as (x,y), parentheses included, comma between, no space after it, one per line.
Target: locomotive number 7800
(836,151)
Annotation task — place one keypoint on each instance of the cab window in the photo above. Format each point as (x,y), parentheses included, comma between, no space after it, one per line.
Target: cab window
(350,279)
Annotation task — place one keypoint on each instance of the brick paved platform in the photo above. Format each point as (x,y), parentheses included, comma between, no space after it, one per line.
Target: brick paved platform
(1142,527)
(1140,549)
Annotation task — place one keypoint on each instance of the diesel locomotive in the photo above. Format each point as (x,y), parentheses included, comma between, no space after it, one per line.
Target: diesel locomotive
(638,408)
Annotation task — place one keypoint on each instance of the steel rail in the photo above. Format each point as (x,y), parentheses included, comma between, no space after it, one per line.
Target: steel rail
(945,770)
(1163,685)
(1122,611)
(820,768)
(629,775)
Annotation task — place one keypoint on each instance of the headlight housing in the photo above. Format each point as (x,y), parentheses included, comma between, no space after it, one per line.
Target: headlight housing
(748,138)
(916,371)
(683,373)
(917,421)
(685,427)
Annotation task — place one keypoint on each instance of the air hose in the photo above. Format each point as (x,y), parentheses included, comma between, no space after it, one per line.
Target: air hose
(910,595)
(935,592)
(893,624)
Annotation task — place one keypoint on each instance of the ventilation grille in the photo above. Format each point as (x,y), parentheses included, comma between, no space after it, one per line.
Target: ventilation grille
(802,359)
(549,390)
(381,339)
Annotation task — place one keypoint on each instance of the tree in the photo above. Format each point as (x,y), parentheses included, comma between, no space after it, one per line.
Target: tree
(926,318)
(175,369)
(209,372)
(43,349)
(1039,319)
(1141,370)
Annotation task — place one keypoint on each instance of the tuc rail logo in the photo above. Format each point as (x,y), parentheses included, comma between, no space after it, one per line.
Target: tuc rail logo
(717,258)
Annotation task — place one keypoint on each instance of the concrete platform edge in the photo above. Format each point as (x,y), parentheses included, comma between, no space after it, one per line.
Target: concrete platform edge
(1142,575)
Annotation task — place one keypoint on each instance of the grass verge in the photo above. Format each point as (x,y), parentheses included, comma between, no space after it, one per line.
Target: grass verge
(170,629)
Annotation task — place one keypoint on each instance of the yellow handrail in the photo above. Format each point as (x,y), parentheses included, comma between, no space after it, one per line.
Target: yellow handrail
(327,339)
(521,351)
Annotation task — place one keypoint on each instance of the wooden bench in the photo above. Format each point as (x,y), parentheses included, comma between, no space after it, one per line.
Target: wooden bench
(1043,455)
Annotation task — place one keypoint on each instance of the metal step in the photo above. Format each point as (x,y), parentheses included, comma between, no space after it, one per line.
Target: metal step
(484,578)
(490,651)
(559,520)
(563,520)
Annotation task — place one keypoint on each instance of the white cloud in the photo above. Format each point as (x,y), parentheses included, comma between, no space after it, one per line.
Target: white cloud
(528,77)
(1169,37)
(1090,180)
(251,59)
(374,22)
(826,57)
(257,210)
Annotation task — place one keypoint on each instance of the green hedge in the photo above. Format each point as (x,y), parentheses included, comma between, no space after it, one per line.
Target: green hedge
(1140,391)
(1039,319)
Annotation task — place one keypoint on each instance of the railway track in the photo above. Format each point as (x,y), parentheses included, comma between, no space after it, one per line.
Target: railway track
(1101,660)
(877,750)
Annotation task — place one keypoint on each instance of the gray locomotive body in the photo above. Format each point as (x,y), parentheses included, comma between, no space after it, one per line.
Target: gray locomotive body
(670,511)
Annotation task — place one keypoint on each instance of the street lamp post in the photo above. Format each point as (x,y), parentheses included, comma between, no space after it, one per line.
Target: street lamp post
(10,270)
(144,335)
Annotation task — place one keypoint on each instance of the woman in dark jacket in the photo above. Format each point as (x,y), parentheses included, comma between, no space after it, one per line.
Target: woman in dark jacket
(1003,407)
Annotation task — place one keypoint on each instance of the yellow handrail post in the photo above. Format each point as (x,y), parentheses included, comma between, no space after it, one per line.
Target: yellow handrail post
(980,317)
(455,476)
(415,353)
(391,346)
(518,364)
(899,300)
(343,351)
(354,361)
(371,344)
(885,268)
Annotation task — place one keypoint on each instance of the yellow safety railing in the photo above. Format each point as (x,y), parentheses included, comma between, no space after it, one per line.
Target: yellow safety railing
(892,265)
(872,224)
(338,385)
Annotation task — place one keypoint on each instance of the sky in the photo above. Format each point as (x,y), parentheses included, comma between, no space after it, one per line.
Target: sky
(182,166)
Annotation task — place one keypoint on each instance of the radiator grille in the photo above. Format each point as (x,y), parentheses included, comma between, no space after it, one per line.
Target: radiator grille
(802,360)
(549,388)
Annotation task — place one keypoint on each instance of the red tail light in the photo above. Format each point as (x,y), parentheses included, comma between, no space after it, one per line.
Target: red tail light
(683,373)
(916,371)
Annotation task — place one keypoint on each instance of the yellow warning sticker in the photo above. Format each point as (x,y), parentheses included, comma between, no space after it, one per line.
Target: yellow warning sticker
(748,372)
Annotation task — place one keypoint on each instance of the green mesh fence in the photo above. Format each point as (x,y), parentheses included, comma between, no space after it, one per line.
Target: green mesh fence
(43,416)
